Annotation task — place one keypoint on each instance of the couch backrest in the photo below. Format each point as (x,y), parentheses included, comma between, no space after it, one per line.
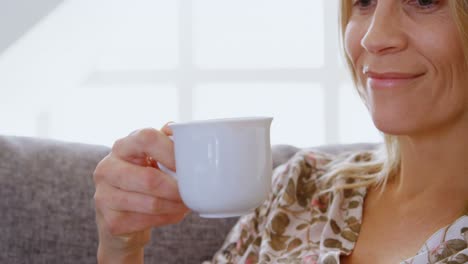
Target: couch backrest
(46,205)
(47,208)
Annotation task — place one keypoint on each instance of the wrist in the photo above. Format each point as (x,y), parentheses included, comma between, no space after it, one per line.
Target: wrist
(115,257)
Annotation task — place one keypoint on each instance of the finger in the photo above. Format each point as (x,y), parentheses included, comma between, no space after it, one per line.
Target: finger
(118,223)
(146,142)
(119,200)
(133,178)
(166,129)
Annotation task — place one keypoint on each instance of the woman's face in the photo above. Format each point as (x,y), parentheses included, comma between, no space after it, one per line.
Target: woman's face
(408,57)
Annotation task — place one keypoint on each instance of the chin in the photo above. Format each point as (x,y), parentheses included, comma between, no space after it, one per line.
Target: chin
(395,126)
(398,120)
(399,127)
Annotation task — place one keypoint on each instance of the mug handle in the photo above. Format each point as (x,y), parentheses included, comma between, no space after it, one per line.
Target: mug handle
(166,170)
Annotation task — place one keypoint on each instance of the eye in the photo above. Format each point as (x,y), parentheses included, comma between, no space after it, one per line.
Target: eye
(424,4)
(362,4)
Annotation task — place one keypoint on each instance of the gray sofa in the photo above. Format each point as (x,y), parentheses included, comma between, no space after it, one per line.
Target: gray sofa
(47,208)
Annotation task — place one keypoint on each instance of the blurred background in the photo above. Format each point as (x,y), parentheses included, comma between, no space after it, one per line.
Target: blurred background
(92,71)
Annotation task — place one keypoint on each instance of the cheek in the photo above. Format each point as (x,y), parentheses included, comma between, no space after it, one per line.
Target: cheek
(442,49)
(352,42)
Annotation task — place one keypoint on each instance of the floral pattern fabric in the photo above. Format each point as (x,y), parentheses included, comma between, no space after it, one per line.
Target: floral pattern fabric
(298,224)
(448,245)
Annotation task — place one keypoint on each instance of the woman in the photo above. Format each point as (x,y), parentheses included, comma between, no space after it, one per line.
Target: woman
(408,203)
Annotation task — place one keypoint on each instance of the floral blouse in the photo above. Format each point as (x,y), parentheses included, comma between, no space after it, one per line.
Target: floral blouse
(299,225)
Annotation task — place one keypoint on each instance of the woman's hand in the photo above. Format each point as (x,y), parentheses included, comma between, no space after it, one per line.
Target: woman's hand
(133,195)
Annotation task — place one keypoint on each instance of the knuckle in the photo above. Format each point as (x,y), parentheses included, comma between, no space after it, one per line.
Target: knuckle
(147,135)
(98,201)
(101,169)
(101,199)
(97,174)
(118,144)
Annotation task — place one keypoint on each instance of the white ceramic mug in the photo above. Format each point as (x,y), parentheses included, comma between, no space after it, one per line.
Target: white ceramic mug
(224,166)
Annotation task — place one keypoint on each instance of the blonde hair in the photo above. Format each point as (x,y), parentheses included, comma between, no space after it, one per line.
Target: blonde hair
(381,165)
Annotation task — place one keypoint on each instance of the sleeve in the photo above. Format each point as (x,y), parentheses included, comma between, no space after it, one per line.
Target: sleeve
(242,245)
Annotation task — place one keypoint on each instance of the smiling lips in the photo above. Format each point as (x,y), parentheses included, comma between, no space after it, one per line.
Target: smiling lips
(389,79)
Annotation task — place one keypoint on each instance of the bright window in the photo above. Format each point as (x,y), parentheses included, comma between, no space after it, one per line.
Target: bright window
(93,71)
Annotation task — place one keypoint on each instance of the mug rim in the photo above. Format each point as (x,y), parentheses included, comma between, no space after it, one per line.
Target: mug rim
(223,120)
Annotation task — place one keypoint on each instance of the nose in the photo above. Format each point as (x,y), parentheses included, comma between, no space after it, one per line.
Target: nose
(385,33)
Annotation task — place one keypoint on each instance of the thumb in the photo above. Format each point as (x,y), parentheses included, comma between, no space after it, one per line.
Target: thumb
(166,129)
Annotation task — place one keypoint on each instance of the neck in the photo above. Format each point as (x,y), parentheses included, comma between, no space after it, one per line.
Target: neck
(434,168)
